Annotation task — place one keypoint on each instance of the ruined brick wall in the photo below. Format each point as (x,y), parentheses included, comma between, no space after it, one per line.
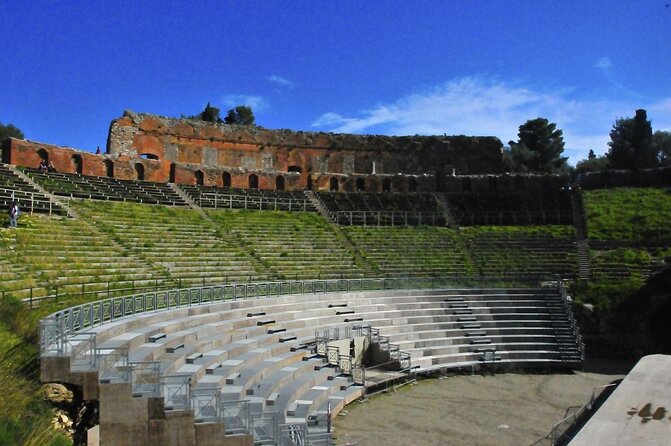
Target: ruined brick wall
(65,159)
(160,149)
(301,159)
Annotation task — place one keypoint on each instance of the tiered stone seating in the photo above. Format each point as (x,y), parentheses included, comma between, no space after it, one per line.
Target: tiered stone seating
(254,350)
(387,208)
(401,251)
(105,188)
(293,246)
(235,198)
(522,251)
(29,199)
(497,208)
(178,241)
(456,328)
(70,257)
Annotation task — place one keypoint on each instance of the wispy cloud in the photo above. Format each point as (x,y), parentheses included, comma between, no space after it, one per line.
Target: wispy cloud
(283,81)
(603,63)
(257,103)
(488,106)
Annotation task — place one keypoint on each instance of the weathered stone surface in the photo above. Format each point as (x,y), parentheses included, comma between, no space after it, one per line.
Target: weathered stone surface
(182,147)
(57,393)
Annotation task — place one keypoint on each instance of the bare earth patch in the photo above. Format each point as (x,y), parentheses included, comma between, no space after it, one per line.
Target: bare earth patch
(503,409)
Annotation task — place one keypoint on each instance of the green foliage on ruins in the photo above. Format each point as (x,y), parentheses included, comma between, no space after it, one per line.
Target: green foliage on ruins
(10,131)
(240,115)
(210,114)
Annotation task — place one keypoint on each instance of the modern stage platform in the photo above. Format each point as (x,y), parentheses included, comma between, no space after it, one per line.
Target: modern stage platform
(638,412)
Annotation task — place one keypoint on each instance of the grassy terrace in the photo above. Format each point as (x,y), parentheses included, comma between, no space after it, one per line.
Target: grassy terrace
(416,251)
(177,242)
(532,250)
(297,245)
(60,255)
(629,232)
(628,214)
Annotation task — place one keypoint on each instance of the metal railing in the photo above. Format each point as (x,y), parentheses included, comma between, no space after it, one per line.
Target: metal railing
(562,427)
(29,201)
(388,218)
(257,202)
(515,218)
(570,316)
(55,328)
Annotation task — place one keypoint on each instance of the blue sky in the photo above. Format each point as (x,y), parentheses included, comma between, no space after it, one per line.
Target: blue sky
(387,67)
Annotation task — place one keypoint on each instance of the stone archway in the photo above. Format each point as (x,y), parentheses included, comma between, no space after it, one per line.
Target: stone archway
(253,181)
(139,171)
(279,182)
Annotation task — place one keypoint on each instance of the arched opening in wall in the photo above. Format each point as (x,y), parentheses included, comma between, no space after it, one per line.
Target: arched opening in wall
(109,168)
(386,185)
(412,185)
(297,169)
(148,156)
(333,185)
(200,177)
(253,181)
(226,176)
(360,184)
(309,185)
(78,163)
(139,171)
(279,183)
(172,173)
(44,155)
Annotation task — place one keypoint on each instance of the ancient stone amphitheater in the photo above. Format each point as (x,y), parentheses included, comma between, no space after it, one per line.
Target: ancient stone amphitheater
(198,315)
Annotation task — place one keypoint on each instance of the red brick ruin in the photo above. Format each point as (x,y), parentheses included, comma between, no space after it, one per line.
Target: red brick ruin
(187,151)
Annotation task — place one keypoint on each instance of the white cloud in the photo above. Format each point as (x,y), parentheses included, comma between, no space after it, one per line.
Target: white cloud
(279,80)
(257,103)
(488,106)
(603,63)
(330,119)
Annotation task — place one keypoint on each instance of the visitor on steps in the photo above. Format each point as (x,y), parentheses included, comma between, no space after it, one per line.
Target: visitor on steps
(13,214)
(44,167)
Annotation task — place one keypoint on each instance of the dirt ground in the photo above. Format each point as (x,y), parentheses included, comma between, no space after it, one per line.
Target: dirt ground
(500,410)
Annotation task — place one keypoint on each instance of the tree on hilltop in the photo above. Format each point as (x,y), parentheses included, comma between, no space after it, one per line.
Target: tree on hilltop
(240,115)
(631,144)
(210,114)
(10,131)
(593,163)
(539,147)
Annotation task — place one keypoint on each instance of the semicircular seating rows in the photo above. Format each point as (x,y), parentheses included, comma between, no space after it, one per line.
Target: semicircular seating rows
(247,370)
